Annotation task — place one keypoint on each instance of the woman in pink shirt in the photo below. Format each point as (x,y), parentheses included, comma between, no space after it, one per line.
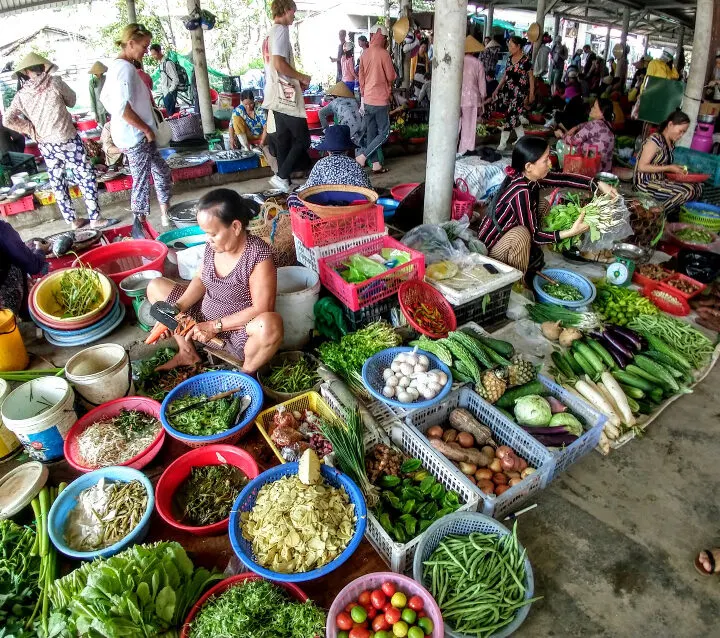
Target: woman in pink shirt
(348,66)
(473,95)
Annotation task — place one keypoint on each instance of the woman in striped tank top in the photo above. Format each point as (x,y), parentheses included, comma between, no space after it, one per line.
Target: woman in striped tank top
(656,160)
(511,230)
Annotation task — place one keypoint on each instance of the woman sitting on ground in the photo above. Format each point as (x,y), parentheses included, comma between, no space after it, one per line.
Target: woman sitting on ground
(233,298)
(657,158)
(596,132)
(337,167)
(249,128)
(511,229)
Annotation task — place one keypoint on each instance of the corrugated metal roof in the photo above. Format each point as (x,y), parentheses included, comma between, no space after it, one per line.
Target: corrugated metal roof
(20,6)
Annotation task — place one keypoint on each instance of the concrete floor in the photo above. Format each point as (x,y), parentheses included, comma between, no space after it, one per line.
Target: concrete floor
(612,541)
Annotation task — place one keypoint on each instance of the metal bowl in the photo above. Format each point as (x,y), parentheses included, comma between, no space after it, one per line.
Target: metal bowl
(138,283)
(631,251)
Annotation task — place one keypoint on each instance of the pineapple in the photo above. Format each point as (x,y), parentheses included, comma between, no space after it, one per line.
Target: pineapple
(520,372)
(491,386)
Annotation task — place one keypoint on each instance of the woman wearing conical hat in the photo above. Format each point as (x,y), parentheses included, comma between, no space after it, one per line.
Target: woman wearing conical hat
(97,81)
(474,91)
(39,110)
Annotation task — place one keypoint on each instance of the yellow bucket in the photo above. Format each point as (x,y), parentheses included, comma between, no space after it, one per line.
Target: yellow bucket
(13,355)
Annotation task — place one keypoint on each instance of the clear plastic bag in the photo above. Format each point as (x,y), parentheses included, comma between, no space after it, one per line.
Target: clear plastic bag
(432,241)
(621,230)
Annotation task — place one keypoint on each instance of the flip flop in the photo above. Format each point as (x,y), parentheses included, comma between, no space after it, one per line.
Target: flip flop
(106,223)
(81,222)
(711,559)
(381,171)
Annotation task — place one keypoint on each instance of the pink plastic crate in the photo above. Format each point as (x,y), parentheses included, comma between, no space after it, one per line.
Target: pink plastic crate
(120,184)
(314,231)
(357,296)
(22,205)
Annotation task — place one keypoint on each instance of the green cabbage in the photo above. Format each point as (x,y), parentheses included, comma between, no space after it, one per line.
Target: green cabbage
(533,411)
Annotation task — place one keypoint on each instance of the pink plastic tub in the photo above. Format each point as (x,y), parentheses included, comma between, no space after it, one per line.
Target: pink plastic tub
(373,581)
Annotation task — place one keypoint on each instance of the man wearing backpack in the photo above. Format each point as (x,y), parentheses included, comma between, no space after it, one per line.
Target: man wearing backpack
(169,79)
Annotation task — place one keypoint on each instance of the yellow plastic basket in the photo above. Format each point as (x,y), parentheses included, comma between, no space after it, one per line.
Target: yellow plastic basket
(308,401)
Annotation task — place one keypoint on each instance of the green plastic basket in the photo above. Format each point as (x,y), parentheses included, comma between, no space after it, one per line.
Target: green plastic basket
(692,214)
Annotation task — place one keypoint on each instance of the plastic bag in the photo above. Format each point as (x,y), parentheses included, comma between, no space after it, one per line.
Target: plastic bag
(432,241)
(361,268)
(620,231)
(462,238)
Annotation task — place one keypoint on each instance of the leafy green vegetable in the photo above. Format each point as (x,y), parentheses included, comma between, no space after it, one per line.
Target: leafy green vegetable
(298,376)
(207,495)
(694,235)
(257,609)
(601,215)
(566,292)
(19,573)
(142,592)
(209,418)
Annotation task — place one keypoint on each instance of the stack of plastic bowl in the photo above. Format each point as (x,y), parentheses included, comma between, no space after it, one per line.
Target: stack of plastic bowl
(74,331)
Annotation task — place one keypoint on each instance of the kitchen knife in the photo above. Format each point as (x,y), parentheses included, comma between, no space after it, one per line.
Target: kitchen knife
(165,313)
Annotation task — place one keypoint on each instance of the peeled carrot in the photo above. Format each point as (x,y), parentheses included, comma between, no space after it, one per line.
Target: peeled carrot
(157,331)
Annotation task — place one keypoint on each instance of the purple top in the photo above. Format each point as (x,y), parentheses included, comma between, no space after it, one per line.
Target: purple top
(15,253)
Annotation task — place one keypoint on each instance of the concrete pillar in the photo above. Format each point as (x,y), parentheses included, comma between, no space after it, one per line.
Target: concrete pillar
(680,51)
(201,74)
(132,14)
(540,19)
(681,37)
(696,77)
(623,42)
(386,13)
(556,27)
(607,44)
(490,18)
(406,10)
(450,27)
(714,44)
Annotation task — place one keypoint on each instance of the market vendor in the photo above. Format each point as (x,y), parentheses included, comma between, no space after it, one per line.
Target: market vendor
(597,132)
(344,109)
(249,128)
(656,159)
(233,297)
(17,263)
(511,229)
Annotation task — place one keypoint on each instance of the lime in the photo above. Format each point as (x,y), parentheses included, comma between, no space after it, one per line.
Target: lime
(358,614)
(398,600)
(408,615)
(426,625)
(400,629)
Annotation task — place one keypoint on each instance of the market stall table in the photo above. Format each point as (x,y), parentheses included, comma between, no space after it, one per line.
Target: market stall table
(215,551)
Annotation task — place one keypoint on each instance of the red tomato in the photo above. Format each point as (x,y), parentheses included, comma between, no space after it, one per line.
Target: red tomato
(371,612)
(344,621)
(364,598)
(378,598)
(422,614)
(359,632)
(349,606)
(386,606)
(388,588)
(415,603)
(361,625)
(392,615)
(380,623)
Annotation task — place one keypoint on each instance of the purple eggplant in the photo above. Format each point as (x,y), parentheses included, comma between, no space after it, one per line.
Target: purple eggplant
(618,344)
(620,357)
(559,429)
(555,440)
(628,335)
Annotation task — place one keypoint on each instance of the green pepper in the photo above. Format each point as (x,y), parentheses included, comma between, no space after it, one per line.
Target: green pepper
(437,492)
(443,512)
(427,484)
(408,506)
(407,482)
(387,480)
(413,492)
(411,465)
(428,511)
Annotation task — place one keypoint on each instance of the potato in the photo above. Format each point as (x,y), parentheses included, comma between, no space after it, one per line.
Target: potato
(435,432)
(449,435)
(488,450)
(487,487)
(472,480)
(499,478)
(465,439)
(514,481)
(511,474)
(496,465)
(484,474)
(468,468)
(500,489)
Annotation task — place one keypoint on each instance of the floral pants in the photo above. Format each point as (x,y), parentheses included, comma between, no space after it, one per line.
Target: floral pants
(144,160)
(61,156)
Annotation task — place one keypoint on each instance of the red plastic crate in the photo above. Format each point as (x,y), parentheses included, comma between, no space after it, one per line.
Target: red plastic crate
(699,287)
(120,184)
(314,231)
(20,206)
(193,172)
(357,296)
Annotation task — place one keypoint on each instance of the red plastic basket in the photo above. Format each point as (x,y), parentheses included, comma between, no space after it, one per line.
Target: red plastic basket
(412,293)
(401,191)
(22,205)
(109,410)
(179,470)
(120,184)
(680,309)
(314,231)
(688,178)
(584,163)
(699,287)
(193,172)
(462,200)
(292,590)
(357,296)
(642,280)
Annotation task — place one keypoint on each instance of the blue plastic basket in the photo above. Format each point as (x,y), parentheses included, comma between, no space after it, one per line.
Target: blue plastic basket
(171,236)
(372,374)
(210,383)
(246,501)
(68,500)
(583,284)
(233,166)
(464,523)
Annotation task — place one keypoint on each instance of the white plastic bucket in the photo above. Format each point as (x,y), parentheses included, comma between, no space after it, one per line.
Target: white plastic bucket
(9,443)
(100,374)
(298,289)
(40,413)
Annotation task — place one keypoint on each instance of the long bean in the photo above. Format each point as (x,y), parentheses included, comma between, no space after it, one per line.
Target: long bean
(482,593)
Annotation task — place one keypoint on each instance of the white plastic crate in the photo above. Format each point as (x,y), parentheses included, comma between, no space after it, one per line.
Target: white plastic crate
(398,556)
(505,433)
(309,257)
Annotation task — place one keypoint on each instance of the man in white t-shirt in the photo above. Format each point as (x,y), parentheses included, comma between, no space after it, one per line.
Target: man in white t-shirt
(284,95)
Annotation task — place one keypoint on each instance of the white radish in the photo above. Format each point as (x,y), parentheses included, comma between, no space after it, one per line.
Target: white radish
(618,395)
(597,400)
(608,397)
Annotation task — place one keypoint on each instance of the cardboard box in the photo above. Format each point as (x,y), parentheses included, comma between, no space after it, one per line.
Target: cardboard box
(710,108)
